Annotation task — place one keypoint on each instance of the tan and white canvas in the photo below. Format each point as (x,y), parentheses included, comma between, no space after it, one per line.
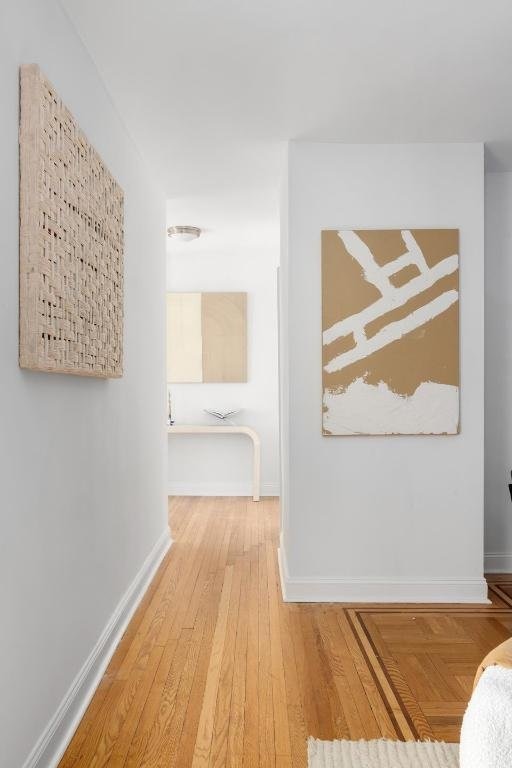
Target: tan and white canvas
(207,337)
(390,331)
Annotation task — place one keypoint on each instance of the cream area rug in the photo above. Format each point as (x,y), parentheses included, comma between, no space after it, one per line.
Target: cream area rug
(382,753)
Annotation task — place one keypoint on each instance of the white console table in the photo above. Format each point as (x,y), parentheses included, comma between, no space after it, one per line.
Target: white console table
(228,429)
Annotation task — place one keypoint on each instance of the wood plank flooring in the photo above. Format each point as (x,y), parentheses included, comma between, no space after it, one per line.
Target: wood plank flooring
(215,670)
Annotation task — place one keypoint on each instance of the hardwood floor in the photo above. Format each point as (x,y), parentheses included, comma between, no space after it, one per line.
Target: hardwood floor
(215,670)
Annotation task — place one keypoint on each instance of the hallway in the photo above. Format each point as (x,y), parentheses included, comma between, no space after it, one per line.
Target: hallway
(215,670)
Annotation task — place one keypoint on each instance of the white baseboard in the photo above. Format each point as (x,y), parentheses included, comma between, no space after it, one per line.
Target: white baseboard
(498,562)
(318,590)
(179,488)
(58,733)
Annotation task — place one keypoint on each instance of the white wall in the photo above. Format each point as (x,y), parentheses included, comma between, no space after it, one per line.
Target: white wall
(221,261)
(82,461)
(376,517)
(498,371)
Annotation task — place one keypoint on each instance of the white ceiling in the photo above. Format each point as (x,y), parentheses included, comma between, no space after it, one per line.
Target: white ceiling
(210,89)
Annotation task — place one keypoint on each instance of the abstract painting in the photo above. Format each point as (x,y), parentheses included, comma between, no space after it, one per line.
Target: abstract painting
(390,331)
(206,337)
(71,242)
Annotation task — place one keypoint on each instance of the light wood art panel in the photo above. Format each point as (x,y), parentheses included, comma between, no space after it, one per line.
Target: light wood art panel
(207,337)
(71,242)
(184,341)
(215,670)
(224,336)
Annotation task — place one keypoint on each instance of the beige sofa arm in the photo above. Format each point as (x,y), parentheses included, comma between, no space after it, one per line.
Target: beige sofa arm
(501,656)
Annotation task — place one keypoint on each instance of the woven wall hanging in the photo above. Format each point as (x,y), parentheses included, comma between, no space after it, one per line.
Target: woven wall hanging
(71,242)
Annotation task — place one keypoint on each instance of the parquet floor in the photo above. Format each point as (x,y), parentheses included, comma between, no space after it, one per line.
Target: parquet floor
(215,670)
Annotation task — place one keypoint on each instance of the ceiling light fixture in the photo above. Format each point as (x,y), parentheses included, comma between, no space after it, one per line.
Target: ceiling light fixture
(184,234)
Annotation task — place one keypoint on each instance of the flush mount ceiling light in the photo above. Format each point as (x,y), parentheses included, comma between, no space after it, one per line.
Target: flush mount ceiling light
(184,234)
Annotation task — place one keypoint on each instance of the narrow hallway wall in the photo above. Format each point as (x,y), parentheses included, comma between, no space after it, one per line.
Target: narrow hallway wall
(498,371)
(82,461)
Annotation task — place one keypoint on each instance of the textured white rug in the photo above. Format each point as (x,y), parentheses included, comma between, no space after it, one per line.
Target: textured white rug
(382,753)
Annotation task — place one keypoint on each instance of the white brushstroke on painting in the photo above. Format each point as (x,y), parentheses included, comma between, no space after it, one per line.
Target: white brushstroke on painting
(364,408)
(414,251)
(362,254)
(398,298)
(393,331)
(405,260)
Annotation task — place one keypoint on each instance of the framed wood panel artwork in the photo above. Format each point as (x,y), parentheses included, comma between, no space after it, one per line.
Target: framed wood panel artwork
(206,337)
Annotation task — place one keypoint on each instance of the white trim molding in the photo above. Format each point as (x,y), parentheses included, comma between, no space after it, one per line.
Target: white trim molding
(307,589)
(192,488)
(58,733)
(498,562)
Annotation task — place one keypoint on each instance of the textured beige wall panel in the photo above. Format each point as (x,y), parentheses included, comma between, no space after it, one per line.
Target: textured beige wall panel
(71,242)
